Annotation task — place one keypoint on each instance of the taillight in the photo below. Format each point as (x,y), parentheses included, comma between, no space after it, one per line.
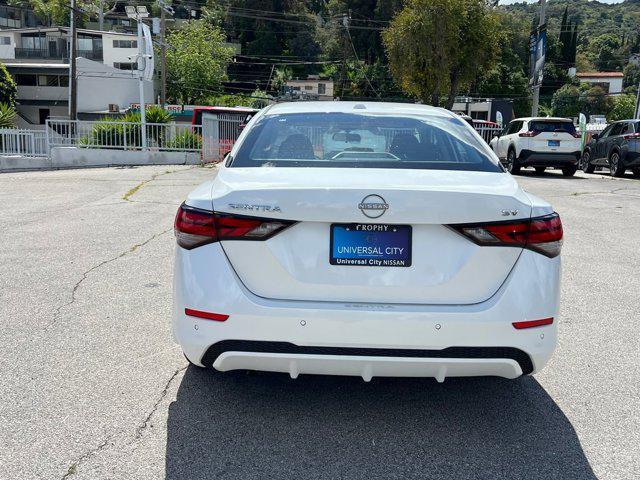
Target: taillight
(195,227)
(541,234)
(530,133)
(632,136)
(576,135)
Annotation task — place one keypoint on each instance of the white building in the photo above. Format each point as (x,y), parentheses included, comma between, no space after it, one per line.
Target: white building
(38,59)
(313,86)
(611,82)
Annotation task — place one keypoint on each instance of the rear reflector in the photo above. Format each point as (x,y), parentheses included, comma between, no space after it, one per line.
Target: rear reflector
(533,323)
(218,317)
(541,234)
(195,227)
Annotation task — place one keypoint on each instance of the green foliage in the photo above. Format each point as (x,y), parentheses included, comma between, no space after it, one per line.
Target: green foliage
(623,107)
(196,62)
(257,99)
(566,101)
(632,75)
(186,139)
(157,114)
(110,131)
(8,88)
(508,78)
(7,116)
(436,47)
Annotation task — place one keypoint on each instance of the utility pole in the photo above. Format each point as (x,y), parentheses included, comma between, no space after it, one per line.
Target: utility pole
(138,13)
(638,102)
(535,104)
(73,80)
(163,58)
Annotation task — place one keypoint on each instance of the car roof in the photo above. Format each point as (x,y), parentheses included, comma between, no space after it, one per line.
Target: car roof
(552,119)
(357,107)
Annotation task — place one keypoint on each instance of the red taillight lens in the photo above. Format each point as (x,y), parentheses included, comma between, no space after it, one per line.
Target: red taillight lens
(532,323)
(528,134)
(218,317)
(195,227)
(542,234)
(632,136)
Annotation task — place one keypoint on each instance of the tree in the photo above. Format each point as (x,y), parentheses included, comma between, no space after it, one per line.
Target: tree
(623,107)
(566,101)
(196,61)
(632,75)
(436,47)
(8,88)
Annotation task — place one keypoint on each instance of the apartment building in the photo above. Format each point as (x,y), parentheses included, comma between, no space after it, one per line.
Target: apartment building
(38,59)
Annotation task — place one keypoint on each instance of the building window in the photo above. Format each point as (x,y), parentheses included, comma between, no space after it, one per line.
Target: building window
(34,42)
(125,65)
(322,89)
(9,17)
(48,80)
(125,44)
(5,40)
(308,87)
(26,80)
(63,80)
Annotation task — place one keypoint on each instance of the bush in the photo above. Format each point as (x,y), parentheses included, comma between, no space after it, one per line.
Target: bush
(624,107)
(187,139)
(8,88)
(111,132)
(7,116)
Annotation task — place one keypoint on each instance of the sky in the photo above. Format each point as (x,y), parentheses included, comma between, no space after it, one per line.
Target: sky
(502,2)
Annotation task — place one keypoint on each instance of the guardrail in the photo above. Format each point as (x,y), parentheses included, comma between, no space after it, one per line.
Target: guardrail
(24,143)
(107,134)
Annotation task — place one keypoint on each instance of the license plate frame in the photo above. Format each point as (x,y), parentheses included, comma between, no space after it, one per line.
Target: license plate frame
(553,143)
(369,236)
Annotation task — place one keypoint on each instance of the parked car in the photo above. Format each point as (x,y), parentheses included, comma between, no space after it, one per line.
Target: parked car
(617,147)
(405,251)
(539,143)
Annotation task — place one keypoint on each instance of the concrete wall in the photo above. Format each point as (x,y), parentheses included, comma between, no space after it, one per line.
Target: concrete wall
(72,157)
(8,51)
(99,85)
(111,54)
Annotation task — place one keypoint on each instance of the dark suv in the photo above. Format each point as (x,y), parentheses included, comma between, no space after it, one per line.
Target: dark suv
(617,147)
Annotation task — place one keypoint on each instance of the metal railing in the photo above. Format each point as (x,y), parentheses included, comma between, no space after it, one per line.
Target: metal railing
(24,143)
(124,135)
(56,53)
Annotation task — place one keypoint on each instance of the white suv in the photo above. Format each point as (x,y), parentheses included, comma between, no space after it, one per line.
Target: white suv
(539,143)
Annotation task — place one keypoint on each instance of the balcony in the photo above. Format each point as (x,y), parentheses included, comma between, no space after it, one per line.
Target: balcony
(56,54)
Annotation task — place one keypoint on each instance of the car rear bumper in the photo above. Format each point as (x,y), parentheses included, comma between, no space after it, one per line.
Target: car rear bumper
(364,339)
(529,158)
(368,367)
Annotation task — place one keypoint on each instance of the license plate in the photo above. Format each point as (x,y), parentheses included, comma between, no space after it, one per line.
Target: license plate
(554,143)
(370,245)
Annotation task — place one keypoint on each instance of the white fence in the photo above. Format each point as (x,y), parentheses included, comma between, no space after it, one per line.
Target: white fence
(487,132)
(23,143)
(116,135)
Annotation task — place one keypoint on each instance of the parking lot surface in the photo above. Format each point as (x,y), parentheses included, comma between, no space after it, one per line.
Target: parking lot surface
(92,386)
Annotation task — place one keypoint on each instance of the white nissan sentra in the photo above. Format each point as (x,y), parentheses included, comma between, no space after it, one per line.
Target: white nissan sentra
(367,239)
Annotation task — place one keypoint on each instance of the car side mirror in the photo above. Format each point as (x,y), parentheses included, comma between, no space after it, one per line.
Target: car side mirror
(595,136)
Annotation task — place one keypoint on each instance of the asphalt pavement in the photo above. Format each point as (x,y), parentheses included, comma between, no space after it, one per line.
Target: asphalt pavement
(92,386)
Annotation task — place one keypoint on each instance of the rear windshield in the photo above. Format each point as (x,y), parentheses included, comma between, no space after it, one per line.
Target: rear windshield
(552,126)
(352,140)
